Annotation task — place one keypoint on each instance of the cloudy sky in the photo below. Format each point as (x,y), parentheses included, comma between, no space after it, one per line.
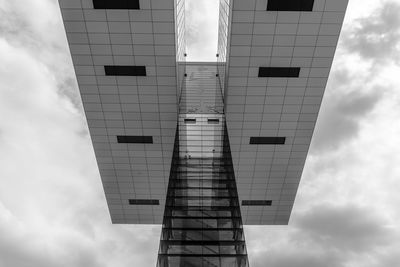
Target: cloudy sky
(52,206)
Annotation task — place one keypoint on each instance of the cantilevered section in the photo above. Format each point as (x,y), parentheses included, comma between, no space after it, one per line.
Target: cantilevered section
(125,54)
(274,59)
(278,58)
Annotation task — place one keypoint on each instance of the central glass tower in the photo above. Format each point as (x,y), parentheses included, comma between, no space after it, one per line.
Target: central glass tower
(202,224)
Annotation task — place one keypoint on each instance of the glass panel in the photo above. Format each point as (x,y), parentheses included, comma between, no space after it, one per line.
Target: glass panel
(202,223)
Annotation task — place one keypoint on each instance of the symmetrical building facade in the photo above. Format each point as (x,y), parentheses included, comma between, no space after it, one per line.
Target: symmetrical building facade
(202,148)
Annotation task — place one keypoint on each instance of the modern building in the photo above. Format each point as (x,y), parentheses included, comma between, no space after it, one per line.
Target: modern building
(202,148)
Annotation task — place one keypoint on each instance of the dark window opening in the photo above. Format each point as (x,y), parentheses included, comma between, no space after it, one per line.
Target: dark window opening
(278,72)
(290,5)
(133,139)
(116,4)
(125,70)
(190,121)
(256,202)
(267,140)
(144,202)
(213,121)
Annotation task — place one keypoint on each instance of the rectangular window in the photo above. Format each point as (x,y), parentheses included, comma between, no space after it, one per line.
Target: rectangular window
(125,70)
(256,202)
(144,202)
(278,72)
(290,5)
(116,4)
(190,121)
(213,121)
(267,140)
(134,139)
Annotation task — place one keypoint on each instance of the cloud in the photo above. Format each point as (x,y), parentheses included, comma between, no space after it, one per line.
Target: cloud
(368,50)
(324,235)
(349,228)
(201,29)
(340,116)
(295,257)
(52,209)
(377,36)
(36,27)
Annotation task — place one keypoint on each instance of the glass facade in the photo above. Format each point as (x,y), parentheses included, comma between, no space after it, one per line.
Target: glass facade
(223,29)
(202,223)
(180,41)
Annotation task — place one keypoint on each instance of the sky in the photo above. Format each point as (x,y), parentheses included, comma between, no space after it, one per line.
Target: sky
(52,206)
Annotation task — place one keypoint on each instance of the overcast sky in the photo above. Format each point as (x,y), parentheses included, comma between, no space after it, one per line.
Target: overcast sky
(52,206)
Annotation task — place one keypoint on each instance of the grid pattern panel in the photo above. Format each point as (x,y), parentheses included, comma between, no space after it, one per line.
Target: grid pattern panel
(287,107)
(201,92)
(126,105)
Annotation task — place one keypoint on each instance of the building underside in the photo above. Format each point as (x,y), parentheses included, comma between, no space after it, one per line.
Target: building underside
(202,148)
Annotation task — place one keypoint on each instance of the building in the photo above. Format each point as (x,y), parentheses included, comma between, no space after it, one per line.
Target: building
(157,121)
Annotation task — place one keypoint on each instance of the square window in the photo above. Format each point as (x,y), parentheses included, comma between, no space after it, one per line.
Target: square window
(116,4)
(125,70)
(267,140)
(134,139)
(290,5)
(289,72)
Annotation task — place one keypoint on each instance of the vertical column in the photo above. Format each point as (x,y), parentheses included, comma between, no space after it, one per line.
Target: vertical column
(202,223)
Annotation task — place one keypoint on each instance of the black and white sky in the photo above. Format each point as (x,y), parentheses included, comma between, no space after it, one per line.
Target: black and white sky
(52,206)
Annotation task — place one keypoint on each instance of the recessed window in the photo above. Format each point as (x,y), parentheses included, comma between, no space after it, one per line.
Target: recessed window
(256,202)
(278,72)
(116,4)
(135,139)
(290,5)
(267,140)
(125,70)
(213,121)
(144,202)
(190,121)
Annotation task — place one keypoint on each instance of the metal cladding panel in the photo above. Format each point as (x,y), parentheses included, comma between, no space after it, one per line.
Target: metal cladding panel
(275,106)
(139,106)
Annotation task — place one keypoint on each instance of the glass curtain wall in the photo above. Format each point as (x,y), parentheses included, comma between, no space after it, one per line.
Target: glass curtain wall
(202,223)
